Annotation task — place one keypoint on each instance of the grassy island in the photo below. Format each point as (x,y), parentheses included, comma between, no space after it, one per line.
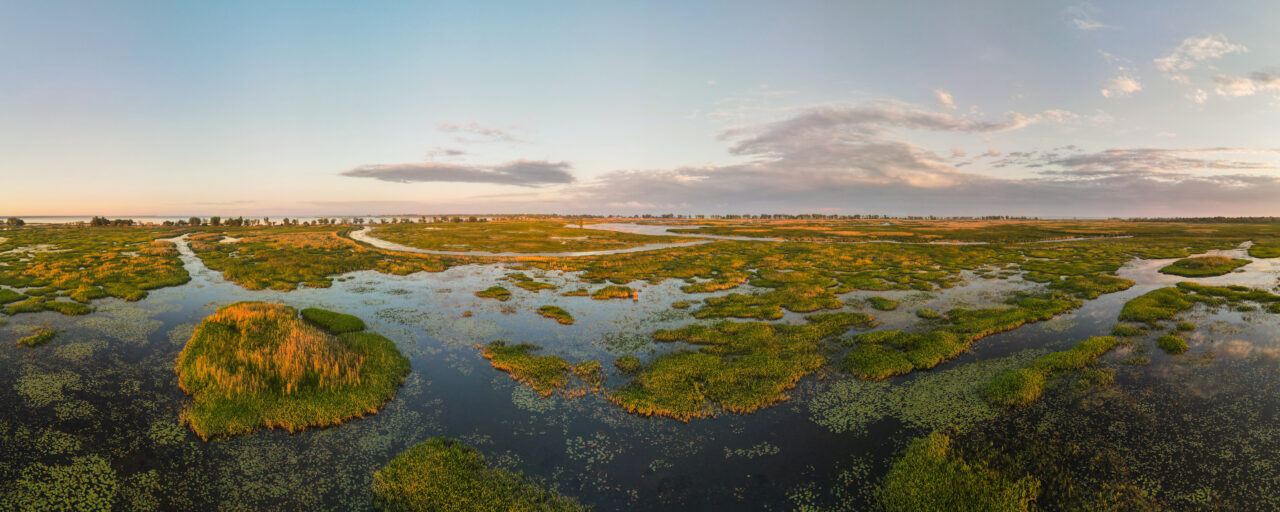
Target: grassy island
(38,337)
(1203,266)
(495,292)
(252,365)
(546,374)
(556,313)
(445,474)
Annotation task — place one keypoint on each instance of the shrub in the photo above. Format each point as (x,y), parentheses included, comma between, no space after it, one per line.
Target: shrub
(335,323)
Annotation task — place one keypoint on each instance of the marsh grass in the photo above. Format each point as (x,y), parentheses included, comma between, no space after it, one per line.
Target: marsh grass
(738,367)
(546,374)
(556,313)
(613,292)
(1204,266)
(1024,385)
(444,474)
(253,365)
(495,292)
(39,336)
(1171,344)
(929,475)
(334,323)
(882,303)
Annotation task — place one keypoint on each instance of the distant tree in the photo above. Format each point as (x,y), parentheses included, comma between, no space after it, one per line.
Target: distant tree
(215,221)
(14,222)
(194,221)
(100,221)
(266,221)
(167,223)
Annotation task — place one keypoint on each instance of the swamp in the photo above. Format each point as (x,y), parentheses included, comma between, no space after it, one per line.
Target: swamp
(624,364)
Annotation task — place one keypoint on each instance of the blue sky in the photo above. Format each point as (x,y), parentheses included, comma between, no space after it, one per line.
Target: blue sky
(1023,108)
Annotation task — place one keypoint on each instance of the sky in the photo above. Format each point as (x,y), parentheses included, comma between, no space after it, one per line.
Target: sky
(1056,109)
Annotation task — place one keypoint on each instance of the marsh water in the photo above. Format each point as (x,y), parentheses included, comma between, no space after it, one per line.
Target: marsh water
(106,386)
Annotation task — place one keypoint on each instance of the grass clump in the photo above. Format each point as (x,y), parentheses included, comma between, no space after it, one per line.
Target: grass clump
(1090,286)
(1271,250)
(38,337)
(1156,305)
(628,364)
(928,314)
(1096,378)
(1126,330)
(882,303)
(7,296)
(556,313)
(1171,344)
(1203,266)
(1185,326)
(931,476)
(529,283)
(252,364)
(612,291)
(445,474)
(494,292)
(335,323)
(875,362)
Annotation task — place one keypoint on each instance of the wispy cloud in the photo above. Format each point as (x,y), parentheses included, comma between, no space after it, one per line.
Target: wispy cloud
(474,132)
(1120,85)
(524,173)
(1194,51)
(945,101)
(1083,16)
(1247,85)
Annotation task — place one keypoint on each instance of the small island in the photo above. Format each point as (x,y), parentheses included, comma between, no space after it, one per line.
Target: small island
(252,365)
(1203,266)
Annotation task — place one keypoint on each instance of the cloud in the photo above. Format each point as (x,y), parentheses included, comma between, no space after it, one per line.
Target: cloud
(524,173)
(1246,85)
(1194,51)
(1083,16)
(945,101)
(474,132)
(1121,85)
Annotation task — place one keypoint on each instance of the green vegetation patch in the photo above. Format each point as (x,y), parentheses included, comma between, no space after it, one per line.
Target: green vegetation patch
(1171,344)
(1024,385)
(85,483)
(1156,305)
(38,337)
(546,374)
(738,366)
(1127,330)
(1267,250)
(1090,286)
(494,292)
(7,296)
(445,474)
(335,323)
(1203,266)
(882,303)
(254,364)
(628,364)
(928,314)
(613,291)
(556,313)
(511,236)
(931,476)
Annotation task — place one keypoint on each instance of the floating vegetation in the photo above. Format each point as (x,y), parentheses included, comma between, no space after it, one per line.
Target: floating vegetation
(83,484)
(556,313)
(934,400)
(738,367)
(882,303)
(759,450)
(44,389)
(335,323)
(1204,266)
(253,365)
(930,475)
(39,336)
(444,474)
(494,292)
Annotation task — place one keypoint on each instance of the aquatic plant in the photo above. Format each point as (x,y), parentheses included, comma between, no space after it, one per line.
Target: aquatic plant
(444,474)
(1203,266)
(39,336)
(556,313)
(1185,326)
(882,303)
(494,292)
(334,323)
(875,362)
(546,374)
(253,365)
(928,314)
(612,292)
(929,475)
(1156,305)
(738,367)
(1126,330)
(1090,286)
(85,483)
(1024,385)
(628,364)
(1171,344)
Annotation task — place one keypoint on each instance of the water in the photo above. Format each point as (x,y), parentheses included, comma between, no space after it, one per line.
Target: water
(108,382)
